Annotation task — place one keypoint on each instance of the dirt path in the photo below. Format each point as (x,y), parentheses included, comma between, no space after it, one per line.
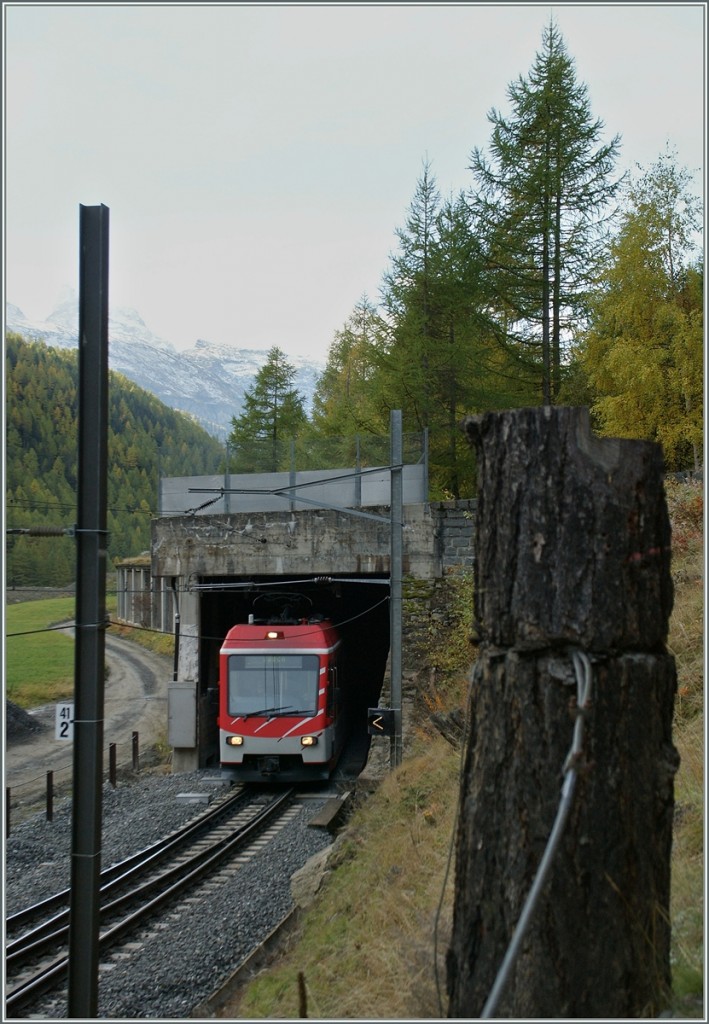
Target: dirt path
(135,701)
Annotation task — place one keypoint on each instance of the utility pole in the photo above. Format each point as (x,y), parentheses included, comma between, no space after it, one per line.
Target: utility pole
(91,544)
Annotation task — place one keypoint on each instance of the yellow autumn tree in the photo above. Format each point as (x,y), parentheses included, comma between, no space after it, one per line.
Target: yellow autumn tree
(642,353)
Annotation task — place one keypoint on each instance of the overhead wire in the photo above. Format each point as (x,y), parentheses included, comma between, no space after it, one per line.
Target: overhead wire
(340,624)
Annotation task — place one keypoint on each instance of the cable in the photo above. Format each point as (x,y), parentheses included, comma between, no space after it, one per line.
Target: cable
(451,845)
(582,668)
(184,636)
(45,629)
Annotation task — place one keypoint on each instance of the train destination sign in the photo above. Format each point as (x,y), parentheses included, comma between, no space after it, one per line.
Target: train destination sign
(380,721)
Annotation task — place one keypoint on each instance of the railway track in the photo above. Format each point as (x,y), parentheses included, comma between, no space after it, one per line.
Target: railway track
(135,891)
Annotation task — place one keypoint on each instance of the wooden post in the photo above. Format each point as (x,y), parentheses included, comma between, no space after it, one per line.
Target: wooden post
(50,796)
(135,751)
(112,764)
(572,554)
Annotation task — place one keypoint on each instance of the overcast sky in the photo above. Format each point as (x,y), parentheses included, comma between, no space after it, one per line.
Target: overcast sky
(257,159)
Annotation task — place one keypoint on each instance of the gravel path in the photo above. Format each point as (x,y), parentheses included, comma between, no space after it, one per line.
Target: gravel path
(135,701)
(179,967)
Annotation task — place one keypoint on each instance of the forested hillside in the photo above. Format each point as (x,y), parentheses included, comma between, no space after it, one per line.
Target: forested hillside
(41,460)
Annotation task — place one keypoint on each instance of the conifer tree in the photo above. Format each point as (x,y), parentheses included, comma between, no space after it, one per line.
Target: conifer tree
(274,412)
(410,309)
(342,401)
(540,203)
(438,358)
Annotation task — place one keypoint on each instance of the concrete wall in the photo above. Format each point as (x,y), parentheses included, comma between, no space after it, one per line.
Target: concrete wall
(319,542)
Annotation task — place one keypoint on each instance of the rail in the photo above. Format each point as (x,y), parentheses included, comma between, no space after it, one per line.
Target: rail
(150,895)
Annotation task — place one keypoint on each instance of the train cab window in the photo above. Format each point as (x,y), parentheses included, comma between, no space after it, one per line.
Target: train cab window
(273,684)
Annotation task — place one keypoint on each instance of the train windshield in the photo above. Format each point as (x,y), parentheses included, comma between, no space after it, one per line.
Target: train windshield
(273,684)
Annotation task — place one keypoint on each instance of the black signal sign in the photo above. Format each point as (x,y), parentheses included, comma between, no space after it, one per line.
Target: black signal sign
(380,721)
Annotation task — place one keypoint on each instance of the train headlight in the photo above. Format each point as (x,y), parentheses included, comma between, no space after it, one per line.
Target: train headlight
(308,741)
(235,741)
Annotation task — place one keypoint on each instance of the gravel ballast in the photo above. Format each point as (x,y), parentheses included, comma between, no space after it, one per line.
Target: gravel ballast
(179,965)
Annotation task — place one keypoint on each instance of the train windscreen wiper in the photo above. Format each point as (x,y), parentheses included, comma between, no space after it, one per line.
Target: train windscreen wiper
(268,712)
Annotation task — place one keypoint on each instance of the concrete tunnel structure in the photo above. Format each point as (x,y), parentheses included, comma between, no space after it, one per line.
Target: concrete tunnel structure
(213,563)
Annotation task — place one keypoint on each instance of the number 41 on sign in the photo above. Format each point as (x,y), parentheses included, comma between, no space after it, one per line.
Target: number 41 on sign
(64,724)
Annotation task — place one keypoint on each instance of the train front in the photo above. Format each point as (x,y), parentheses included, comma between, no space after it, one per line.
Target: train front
(279,697)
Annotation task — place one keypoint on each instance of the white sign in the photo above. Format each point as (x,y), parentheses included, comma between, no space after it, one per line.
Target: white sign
(64,725)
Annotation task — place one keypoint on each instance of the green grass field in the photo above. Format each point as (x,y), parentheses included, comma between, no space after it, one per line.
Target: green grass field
(39,661)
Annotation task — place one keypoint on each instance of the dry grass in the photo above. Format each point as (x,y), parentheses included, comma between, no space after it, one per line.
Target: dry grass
(687,908)
(366,945)
(686,642)
(151,639)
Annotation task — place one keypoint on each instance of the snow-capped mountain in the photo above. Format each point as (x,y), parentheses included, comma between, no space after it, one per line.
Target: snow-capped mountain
(207,381)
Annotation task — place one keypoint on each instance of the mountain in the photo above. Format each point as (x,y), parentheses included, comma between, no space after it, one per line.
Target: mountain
(207,381)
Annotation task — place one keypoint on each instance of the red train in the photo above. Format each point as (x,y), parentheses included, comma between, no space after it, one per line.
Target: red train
(282,714)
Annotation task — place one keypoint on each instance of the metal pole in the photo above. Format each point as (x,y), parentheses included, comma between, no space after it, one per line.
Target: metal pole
(396,572)
(292,477)
(159,460)
(136,754)
(358,476)
(176,611)
(91,542)
(227,496)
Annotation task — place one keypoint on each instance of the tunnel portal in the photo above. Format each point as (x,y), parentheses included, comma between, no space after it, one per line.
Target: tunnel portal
(209,569)
(357,606)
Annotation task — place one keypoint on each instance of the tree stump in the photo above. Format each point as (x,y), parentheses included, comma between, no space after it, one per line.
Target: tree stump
(572,553)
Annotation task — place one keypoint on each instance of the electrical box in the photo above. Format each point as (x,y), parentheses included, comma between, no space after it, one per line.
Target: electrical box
(182,714)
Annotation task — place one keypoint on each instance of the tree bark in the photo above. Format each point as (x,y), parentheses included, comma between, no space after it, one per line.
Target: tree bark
(572,553)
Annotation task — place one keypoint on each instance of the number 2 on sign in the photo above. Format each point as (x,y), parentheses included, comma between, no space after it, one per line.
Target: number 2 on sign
(64,725)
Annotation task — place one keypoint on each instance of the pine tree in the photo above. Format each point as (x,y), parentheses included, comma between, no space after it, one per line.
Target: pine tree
(439,358)
(540,204)
(274,412)
(410,310)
